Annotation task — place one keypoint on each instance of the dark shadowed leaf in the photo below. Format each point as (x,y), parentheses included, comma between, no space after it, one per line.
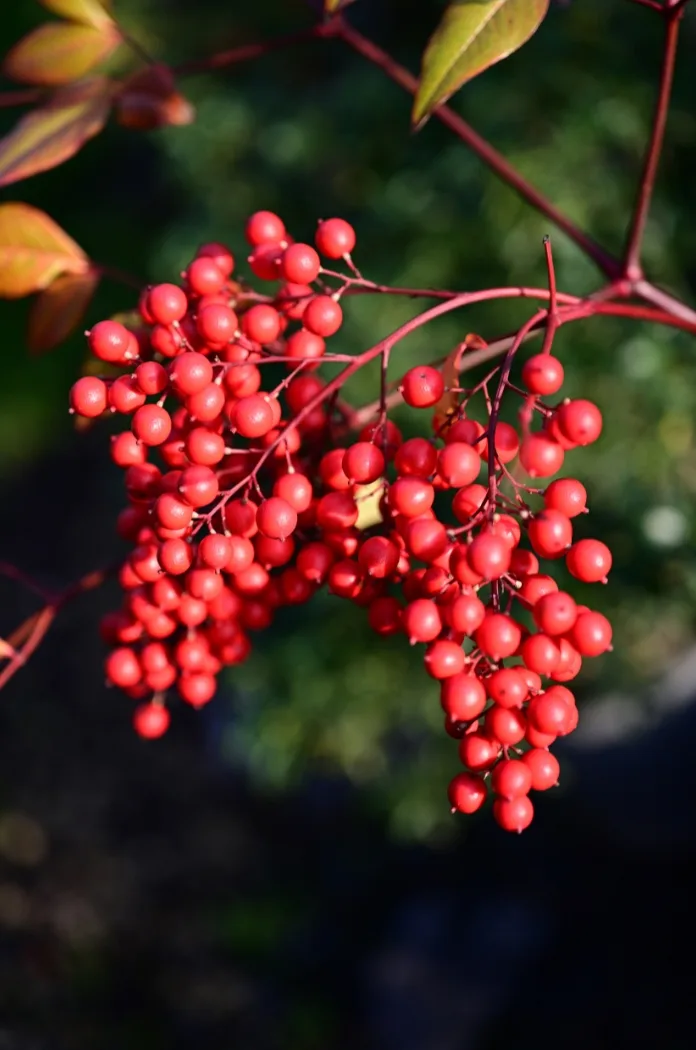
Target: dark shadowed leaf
(90,12)
(332,6)
(34,251)
(447,406)
(472,35)
(59,52)
(54,132)
(149,99)
(58,310)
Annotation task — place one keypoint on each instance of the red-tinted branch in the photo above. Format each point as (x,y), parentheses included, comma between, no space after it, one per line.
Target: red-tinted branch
(247,52)
(495,160)
(632,256)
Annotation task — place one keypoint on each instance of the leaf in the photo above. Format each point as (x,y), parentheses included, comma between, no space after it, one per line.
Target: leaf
(58,310)
(369,500)
(59,52)
(34,251)
(89,12)
(472,35)
(54,132)
(149,100)
(448,404)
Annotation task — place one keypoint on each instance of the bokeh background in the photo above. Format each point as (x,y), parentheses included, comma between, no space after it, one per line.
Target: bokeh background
(281,871)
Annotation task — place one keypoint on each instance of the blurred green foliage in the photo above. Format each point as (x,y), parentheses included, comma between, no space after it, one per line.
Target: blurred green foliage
(316,132)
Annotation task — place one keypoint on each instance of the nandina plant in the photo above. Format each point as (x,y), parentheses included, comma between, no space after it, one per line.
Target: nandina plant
(251,481)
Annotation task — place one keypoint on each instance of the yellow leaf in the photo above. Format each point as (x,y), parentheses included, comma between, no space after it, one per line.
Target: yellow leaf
(59,52)
(472,35)
(58,310)
(90,12)
(34,251)
(368,499)
(449,402)
(53,133)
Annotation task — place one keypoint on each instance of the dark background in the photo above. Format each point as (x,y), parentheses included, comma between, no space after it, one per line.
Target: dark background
(281,870)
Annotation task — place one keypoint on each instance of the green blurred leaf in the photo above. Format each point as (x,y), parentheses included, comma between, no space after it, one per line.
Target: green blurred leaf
(473,35)
(58,310)
(53,133)
(34,250)
(90,12)
(59,52)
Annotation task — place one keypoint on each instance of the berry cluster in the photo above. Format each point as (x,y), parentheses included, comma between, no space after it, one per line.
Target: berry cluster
(244,496)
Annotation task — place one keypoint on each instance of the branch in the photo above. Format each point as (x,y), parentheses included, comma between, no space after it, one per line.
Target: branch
(247,52)
(632,261)
(495,160)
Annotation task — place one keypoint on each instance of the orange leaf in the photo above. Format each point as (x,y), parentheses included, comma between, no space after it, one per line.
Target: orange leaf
(449,402)
(90,12)
(149,100)
(34,251)
(58,310)
(54,132)
(59,52)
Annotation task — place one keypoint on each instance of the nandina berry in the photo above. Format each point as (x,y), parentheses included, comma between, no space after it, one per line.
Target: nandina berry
(384,615)
(242,555)
(126,451)
(469,431)
(300,264)
(540,653)
(460,567)
(151,377)
(204,277)
(198,485)
(419,457)
(264,227)
(543,375)
(276,518)
(506,444)
(550,712)
(579,421)
(314,561)
(555,613)
(175,556)
(151,424)
(421,620)
(463,696)
(541,456)
(465,613)
(550,533)
(385,435)
(220,254)
(458,464)
(261,323)
(295,489)
(498,636)
(467,793)
(363,462)
(422,386)
(567,496)
(111,341)
(570,663)
(467,501)
(506,725)
(591,634)
(125,395)
(511,778)
(206,405)
(197,689)
(166,303)
(345,578)
(88,397)
(507,528)
(292,299)
(478,751)
(411,496)
(203,447)
(323,316)
(304,346)
(523,563)
(173,512)
(426,539)
(513,814)
(489,556)
(253,416)
(215,550)
(240,517)
(543,767)
(444,658)
(264,261)
(378,557)
(589,561)
(151,721)
(122,667)
(217,324)
(534,587)
(334,238)
(507,687)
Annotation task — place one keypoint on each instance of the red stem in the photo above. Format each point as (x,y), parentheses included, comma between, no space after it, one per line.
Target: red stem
(247,52)
(632,261)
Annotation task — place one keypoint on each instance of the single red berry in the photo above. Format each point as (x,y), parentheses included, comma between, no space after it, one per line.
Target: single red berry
(300,264)
(276,518)
(478,751)
(458,464)
(264,227)
(513,814)
(207,404)
(151,377)
(507,687)
(198,485)
(215,550)
(378,557)
(566,495)
(123,667)
(323,316)
(204,277)
(111,341)
(337,510)
(534,587)
(580,421)
(550,712)
(261,323)
(550,533)
(555,613)
(363,463)
(589,561)
(197,689)
(295,489)
(334,238)
(265,261)
(506,442)
(254,416)
(426,539)
(466,793)
(570,663)
(151,721)
(314,561)
(544,768)
(304,346)
(444,658)
(220,254)
(542,374)
(462,696)
(217,324)
(88,397)
(384,616)
(175,556)
(422,386)
(541,653)
(489,556)
(511,778)
(410,496)
(498,636)
(465,614)
(152,425)
(506,725)
(523,563)
(591,634)
(419,457)
(204,447)
(126,451)
(541,456)
(166,303)
(421,620)
(468,501)
(125,395)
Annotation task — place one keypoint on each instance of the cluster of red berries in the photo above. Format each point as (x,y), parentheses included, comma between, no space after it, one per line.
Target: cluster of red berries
(241,500)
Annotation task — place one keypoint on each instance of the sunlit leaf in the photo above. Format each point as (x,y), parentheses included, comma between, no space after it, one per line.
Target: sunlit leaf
(58,310)
(59,52)
(53,133)
(149,99)
(448,404)
(369,499)
(472,35)
(91,12)
(34,251)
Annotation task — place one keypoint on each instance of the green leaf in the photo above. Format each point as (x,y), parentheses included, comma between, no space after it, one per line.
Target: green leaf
(54,132)
(473,35)
(59,52)
(58,310)
(34,250)
(90,12)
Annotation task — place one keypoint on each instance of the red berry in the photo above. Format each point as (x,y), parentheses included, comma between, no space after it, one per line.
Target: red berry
(458,464)
(541,456)
(261,323)
(151,721)
(506,725)
(489,556)
(511,779)
(217,324)
(295,489)
(550,712)
(421,620)
(204,277)
(507,444)
(555,613)
(566,495)
(363,463)
(513,814)
(419,457)
(220,254)
(378,557)
(544,768)
(422,387)
(478,751)
(323,316)
(300,264)
(466,793)
(579,421)
(264,227)
(112,342)
(335,238)
(253,416)
(444,659)
(589,561)
(540,653)
(542,374)
(276,518)
(166,303)
(468,501)
(411,496)
(198,485)
(125,395)
(591,634)
(304,346)
(463,697)
(197,689)
(507,687)
(152,425)
(123,667)
(550,533)
(465,614)
(498,636)
(88,397)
